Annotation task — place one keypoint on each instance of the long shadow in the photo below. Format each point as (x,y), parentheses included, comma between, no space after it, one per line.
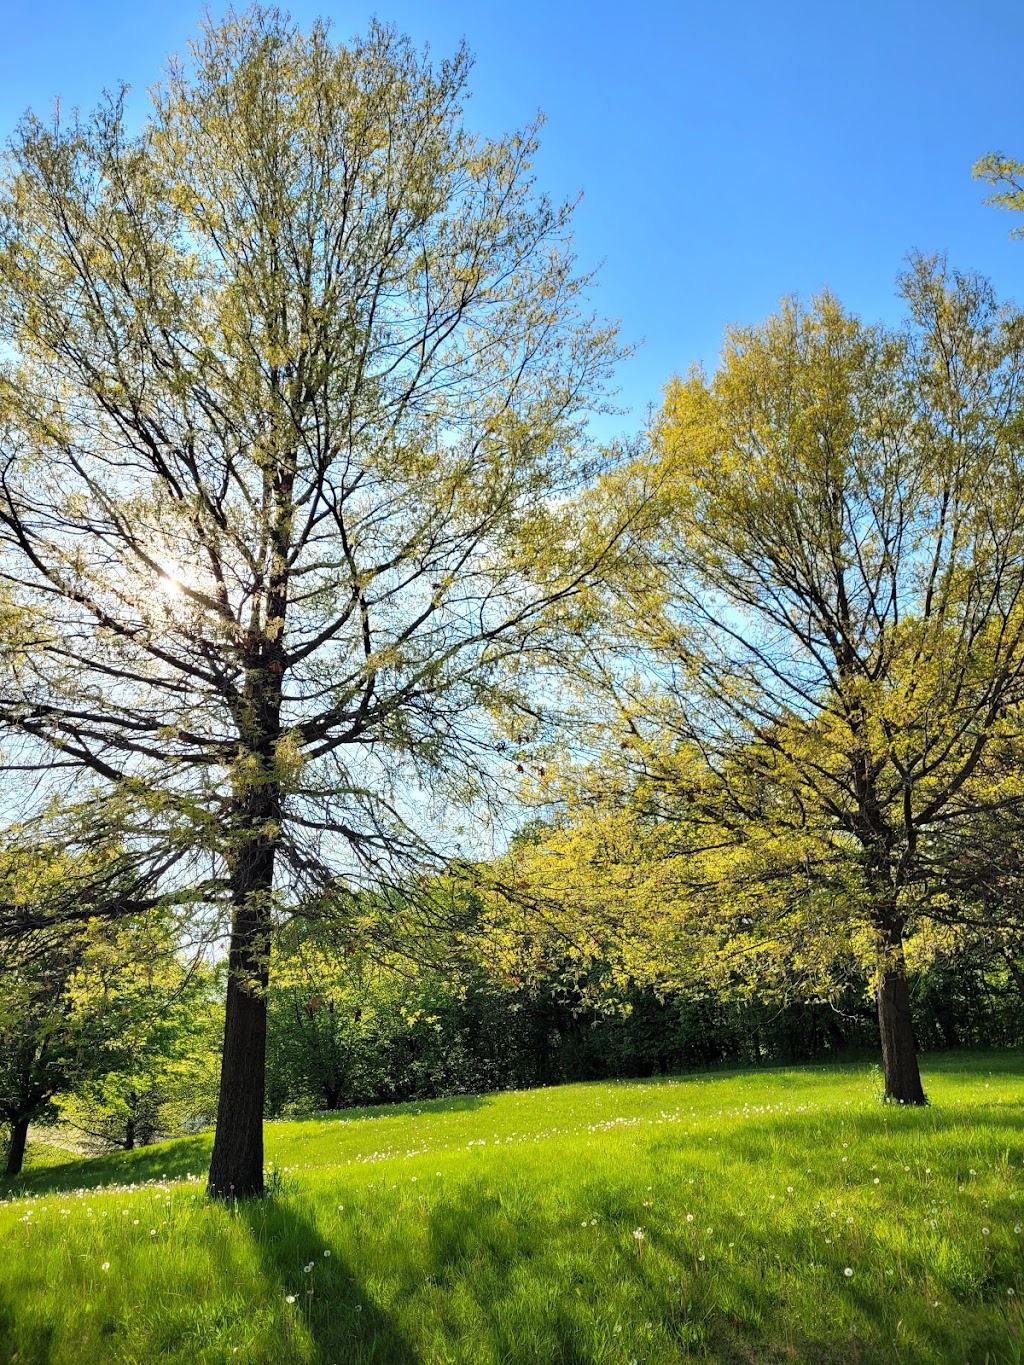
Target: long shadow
(342,1319)
(33,1347)
(878,1126)
(170,1160)
(190,1156)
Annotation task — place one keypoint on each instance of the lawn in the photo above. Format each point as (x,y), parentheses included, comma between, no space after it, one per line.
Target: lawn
(756,1216)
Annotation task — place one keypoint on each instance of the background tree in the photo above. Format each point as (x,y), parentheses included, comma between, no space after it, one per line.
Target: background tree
(40,1052)
(162,1032)
(79,1013)
(846,545)
(291,398)
(832,622)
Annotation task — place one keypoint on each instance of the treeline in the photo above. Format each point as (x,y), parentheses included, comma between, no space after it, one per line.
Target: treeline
(379,1034)
(121,1059)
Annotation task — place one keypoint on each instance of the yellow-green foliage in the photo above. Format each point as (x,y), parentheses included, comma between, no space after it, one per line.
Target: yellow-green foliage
(812,667)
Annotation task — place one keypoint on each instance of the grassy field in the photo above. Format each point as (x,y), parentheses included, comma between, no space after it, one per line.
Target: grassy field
(777,1215)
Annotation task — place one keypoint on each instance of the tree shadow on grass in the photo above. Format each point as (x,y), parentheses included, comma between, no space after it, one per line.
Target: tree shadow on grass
(32,1346)
(481,1248)
(817,1132)
(164,1160)
(331,1304)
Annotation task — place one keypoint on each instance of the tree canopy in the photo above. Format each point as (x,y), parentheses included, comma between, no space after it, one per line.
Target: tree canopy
(832,618)
(292,400)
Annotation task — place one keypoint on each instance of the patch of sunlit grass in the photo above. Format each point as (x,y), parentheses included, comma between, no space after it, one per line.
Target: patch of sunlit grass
(756,1216)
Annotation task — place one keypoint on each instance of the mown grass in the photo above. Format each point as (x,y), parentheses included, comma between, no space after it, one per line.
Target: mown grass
(507,1228)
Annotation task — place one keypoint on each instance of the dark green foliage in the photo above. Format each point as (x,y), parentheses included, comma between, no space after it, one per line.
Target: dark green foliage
(380,1034)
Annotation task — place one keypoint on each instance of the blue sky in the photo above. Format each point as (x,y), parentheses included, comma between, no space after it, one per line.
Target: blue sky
(728,153)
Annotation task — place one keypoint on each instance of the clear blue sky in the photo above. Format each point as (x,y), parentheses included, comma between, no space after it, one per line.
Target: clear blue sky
(729,153)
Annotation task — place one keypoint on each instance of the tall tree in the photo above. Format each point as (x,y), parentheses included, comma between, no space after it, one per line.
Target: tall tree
(291,401)
(835,606)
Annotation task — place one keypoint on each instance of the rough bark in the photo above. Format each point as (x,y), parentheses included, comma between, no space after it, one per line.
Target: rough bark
(892,993)
(236,1163)
(16,1149)
(895,1023)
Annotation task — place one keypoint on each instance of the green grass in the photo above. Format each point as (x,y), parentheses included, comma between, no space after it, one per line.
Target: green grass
(503,1228)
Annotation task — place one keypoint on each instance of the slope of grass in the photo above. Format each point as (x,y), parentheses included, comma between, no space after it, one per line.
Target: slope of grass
(780,1215)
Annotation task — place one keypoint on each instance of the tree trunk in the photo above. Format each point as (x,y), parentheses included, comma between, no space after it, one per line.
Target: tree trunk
(16,1150)
(892,993)
(236,1163)
(899,1047)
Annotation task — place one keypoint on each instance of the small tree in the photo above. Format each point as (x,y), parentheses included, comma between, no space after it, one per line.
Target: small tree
(40,1053)
(95,1017)
(159,1027)
(290,407)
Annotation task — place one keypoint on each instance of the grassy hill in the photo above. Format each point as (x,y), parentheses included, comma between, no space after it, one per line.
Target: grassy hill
(778,1215)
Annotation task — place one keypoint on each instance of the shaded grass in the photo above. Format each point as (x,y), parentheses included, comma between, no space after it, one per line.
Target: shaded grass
(504,1228)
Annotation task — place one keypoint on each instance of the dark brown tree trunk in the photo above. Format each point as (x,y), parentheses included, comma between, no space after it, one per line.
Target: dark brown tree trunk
(892,993)
(236,1163)
(16,1150)
(895,1024)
